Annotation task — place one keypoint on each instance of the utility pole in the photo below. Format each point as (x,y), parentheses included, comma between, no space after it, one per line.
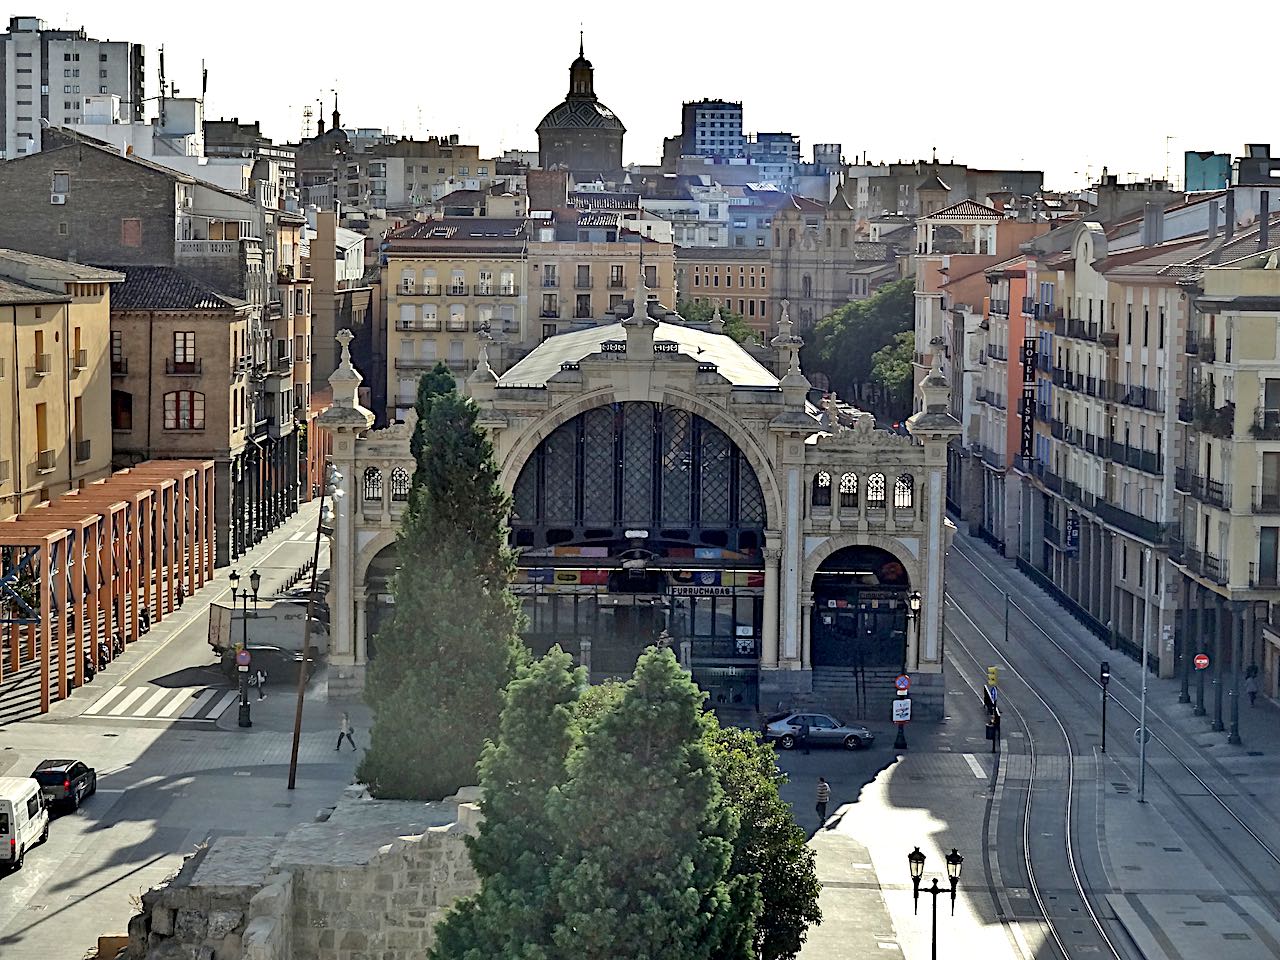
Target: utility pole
(1104,678)
(1142,709)
(1006,618)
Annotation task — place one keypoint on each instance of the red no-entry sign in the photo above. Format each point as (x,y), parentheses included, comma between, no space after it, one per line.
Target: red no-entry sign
(1201,661)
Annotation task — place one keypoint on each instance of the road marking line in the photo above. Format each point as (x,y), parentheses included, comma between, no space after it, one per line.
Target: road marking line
(180,700)
(123,703)
(153,700)
(226,701)
(102,700)
(975,766)
(196,707)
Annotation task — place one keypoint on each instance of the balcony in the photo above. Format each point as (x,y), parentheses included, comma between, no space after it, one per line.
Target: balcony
(616,283)
(183,368)
(42,365)
(1259,577)
(1140,527)
(509,290)
(1207,565)
(551,282)
(1182,480)
(418,326)
(1191,347)
(191,249)
(1215,421)
(456,325)
(1266,424)
(997,351)
(1028,306)
(1000,307)
(416,363)
(1043,413)
(120,367)
(1266,499)
(83,450)
(46,461)
(582,283)
(1057,429)
(550,313)
(1109,338)
(1185,410)
(79,359)
(456,290)
(1208,350)
(484,289)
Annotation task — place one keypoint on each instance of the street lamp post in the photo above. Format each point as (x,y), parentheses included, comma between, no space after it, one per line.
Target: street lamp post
(255,581)
(913,616)
(915,859)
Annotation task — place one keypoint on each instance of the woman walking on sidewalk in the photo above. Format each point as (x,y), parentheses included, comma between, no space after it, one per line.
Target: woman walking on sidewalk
(345,730)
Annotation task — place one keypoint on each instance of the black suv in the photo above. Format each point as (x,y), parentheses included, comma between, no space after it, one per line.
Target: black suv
(66,781)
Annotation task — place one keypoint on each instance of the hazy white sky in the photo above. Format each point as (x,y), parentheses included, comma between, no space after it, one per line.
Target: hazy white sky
(1065,88)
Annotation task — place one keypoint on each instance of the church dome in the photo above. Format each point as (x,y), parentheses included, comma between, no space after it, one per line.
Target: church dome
(578,113)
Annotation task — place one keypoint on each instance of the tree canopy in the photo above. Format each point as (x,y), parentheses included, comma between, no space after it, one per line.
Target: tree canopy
(892,367)
(845,343)
(735,324)
(452,643)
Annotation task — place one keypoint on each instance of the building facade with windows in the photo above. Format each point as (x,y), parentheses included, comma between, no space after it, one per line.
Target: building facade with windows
(48,74)
(664,480)
(734,279)
(711,128)
(55,432)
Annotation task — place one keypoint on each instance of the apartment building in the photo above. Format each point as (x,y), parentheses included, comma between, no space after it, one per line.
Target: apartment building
(48,74)
(55,427)
(736,279)
(712,128)
(447,282)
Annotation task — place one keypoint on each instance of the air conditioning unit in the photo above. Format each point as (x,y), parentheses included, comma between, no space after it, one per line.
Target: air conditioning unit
(57,198)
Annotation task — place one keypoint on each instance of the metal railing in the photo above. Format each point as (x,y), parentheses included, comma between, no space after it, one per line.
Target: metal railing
(1207,565)
(42,364)
(1266,499)
(1208,350)
(46,461)
(1263,578)
(551,282)
(183,368)
(420,326)
(80,359)
(120,367)
(1266,424)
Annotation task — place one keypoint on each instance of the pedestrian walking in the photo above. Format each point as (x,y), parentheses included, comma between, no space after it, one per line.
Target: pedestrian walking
(1251,688)
(345,730)
(260,680)
(181,595)
(804,736)
(824,797)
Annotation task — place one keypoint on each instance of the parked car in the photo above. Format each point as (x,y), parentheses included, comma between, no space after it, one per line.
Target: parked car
(279,664)
(66,782)
(824,731)
(24,819)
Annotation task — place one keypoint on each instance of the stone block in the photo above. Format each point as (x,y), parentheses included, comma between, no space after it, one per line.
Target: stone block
(189,926)
(223,922)
(231,947)
(162,921)
(353,940)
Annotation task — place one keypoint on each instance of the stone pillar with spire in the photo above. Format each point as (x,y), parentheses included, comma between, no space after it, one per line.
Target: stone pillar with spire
(639,327)
(344,421)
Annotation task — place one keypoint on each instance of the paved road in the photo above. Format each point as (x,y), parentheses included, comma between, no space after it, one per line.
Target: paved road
(170,775)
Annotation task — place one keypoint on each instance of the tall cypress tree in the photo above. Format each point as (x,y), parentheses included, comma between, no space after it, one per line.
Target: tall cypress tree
(453,642)
(518,842)
(434,383)
(648,839)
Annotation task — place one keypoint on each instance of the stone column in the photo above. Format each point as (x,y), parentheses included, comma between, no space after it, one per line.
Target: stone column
(769,628)
(806,631)
(360,653)
(1241,607)
(1219,621)
(792,534)
(931,609)
(1184,645)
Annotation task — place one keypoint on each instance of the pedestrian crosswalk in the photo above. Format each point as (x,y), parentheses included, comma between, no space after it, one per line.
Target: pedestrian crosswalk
(199,704)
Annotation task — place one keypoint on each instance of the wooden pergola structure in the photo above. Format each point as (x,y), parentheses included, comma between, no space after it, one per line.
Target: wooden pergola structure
(78,570)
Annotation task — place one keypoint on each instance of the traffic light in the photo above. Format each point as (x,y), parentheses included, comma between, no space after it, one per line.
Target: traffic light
(993,676)
(1105,673)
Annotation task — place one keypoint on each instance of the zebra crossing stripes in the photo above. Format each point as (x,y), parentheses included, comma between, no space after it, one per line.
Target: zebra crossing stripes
(197,704)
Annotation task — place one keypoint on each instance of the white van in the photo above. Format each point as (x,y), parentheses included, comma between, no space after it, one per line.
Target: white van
(24,819)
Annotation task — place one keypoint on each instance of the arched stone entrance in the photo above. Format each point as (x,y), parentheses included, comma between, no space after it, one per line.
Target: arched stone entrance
(635,518)
(860,610)
(378,581)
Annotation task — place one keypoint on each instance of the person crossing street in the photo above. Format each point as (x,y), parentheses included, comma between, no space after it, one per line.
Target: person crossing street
(824,797)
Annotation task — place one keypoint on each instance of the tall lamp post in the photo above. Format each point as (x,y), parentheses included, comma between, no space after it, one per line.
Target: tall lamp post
(913,617)
(916,861)
(255,581)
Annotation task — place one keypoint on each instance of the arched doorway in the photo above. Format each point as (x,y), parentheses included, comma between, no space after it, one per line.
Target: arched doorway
(378,597)
(860,610)
(634,518)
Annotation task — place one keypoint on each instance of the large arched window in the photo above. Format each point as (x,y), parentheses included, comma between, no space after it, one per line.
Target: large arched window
(849,491)
(373,484)
(184,410)
(903,492)
(638,466)
(399,485)
(875,491)
(822,489)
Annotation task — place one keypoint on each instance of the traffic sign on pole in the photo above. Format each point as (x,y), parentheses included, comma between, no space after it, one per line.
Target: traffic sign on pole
(1141,735)
(242,658)
(903,682)
(902,710)
(1201,661)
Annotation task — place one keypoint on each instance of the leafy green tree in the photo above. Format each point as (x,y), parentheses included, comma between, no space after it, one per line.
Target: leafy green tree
(648,841)
(845,342)
(769,845)
(892,367)
(518,843)
(453,640)
(735,324)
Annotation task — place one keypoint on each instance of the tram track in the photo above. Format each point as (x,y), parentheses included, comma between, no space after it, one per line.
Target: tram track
(1263,888)
(1035,886)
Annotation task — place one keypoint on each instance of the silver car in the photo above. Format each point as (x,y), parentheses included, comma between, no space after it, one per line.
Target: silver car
(824,731)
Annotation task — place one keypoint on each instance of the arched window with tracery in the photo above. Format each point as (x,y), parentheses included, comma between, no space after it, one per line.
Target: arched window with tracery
(849,491)
(903,492)
(875,491)
(822,489)
(372,484)
(400,485)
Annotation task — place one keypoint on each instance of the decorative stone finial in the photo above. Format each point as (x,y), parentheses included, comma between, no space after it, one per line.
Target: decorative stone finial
(639,304)
(483,372)
(717,322)
(787,343)
(345,411)
(831,414)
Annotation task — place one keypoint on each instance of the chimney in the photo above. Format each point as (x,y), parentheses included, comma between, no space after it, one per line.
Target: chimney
(1264,219)
(1152,224)
(1213,222)
(1229,229)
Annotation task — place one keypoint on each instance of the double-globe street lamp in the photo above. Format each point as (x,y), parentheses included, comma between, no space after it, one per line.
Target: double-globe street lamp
(914,603)
(954,861)
(255,581)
